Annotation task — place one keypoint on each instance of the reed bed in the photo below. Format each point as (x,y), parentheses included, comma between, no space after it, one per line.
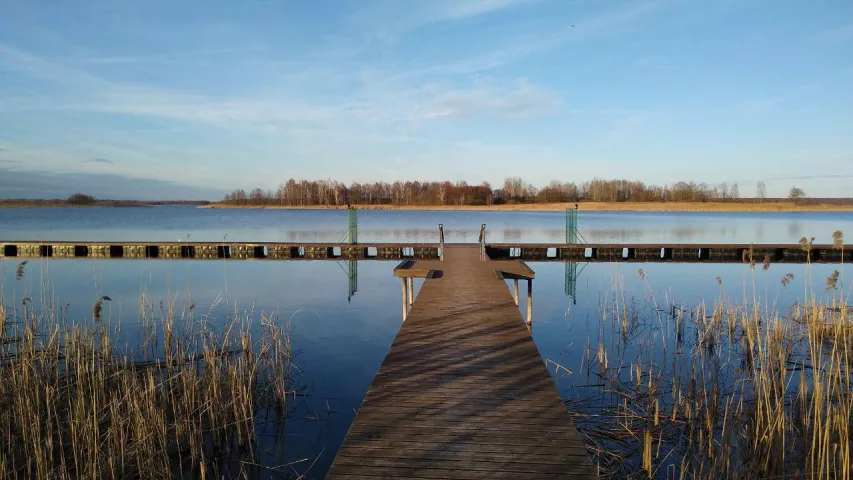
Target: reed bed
(185,402)
(729,389)
(732,389)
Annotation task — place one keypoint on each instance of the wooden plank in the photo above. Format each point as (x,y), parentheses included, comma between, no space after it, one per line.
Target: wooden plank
(510,464)
(463,391)
(473,439)
(516,415)
(440,471)
(347,471)
(426,458)
(484,405)
(380,447)
(510,269)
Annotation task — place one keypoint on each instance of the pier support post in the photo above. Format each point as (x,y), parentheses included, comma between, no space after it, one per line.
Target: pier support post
(483,243)
(405,306)
(411,282)
(515,292)
(529,302)
(441,241)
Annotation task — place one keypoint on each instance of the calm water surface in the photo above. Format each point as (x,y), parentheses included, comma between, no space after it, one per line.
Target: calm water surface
(343,337)
(173,223)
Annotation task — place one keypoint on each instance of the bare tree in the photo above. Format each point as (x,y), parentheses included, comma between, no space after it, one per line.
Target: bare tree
(796,194)
(514,189)
(761,191)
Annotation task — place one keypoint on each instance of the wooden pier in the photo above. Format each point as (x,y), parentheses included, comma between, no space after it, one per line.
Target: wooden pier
(463,392)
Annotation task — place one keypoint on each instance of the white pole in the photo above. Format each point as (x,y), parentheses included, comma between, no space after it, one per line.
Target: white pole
(405,307)
(529,302)
(516,292)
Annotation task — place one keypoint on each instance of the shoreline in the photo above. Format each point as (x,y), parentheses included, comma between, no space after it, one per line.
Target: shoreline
(95,205)
(74,206)
(557,207)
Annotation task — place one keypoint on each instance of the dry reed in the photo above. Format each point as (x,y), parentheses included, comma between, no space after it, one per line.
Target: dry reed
(72,405)
(729,390)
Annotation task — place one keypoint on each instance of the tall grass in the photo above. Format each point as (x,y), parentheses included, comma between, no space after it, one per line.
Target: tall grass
(734,389)
(185,404)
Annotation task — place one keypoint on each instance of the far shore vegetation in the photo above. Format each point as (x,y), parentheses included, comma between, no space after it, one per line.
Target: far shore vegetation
(516,194)
(83,200)
(585,206)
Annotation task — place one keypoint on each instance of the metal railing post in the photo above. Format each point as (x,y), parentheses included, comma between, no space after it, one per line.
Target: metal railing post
(441,242)
(483,242)
(352,225)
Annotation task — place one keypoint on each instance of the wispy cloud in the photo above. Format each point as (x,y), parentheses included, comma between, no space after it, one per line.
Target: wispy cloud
(282,112)
(653,62)
(459,9)
(98,160)
(74,89)
(840,34)
(392,94)
(166,56)
(811,87)
(519,99)
(760,106)
(31,184)
(388,19)
(6,161)
(513,47)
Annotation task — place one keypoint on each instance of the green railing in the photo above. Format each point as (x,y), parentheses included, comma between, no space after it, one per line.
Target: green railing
(573,236)
(352,226)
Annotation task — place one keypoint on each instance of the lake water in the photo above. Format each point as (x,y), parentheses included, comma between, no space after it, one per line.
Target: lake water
(173,223)
(342,338)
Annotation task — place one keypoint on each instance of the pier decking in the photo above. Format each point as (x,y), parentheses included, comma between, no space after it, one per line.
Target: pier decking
(463,392)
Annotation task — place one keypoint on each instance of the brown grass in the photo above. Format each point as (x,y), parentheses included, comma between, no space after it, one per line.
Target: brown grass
(72,405)
(584,206)
(730,390)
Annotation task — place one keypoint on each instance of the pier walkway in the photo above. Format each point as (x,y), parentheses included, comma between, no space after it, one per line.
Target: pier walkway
(463,392)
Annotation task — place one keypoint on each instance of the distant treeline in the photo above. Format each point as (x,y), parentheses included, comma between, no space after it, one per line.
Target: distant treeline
(83,200)
(513,190)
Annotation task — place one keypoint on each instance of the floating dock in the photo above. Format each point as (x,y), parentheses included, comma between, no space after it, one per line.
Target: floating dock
(710,253)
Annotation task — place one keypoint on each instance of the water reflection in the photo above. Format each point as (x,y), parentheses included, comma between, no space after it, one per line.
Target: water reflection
(795,230)
(172,223)
(352,275)
(573,272)
(342,343)
(512,235)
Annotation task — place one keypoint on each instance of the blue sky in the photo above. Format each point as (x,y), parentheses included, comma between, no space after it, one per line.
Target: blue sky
(162,98)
